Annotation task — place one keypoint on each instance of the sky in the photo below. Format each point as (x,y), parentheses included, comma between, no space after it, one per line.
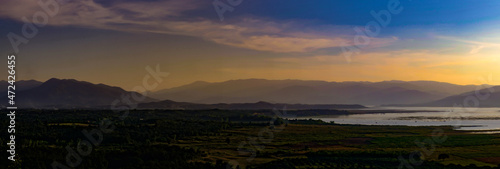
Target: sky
(112,41)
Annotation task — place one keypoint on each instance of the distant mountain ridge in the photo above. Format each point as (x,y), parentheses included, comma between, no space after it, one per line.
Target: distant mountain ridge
(67,93)
(483,97)
(248,94)
(168,104)
(20,85)
(312,92)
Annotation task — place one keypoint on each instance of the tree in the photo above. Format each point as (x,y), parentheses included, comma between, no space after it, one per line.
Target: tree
(443,156)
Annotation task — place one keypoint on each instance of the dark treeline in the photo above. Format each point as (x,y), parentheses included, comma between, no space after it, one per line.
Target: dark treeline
(139,141)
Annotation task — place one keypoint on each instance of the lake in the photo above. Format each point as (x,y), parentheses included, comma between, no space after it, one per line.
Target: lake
(484,120)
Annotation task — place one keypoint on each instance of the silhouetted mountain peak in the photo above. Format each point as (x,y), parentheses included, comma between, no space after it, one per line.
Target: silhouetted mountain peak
(263,103)
(65,93)
(56,82)
(59,81)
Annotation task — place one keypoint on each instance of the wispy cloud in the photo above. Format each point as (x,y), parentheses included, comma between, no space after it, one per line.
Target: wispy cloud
(476,46)
(168,17)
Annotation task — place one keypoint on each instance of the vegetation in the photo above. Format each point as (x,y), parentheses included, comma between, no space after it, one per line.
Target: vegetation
(250,139)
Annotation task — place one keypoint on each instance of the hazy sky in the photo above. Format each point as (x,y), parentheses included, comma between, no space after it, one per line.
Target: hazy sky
(112,41)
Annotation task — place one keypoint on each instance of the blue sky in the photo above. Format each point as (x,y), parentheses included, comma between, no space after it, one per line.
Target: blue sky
(423,12)
(451,41)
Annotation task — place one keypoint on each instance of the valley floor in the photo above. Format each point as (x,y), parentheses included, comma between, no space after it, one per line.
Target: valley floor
(242,139)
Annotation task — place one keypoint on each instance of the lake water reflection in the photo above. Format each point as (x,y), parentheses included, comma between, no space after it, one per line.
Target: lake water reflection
(463,119)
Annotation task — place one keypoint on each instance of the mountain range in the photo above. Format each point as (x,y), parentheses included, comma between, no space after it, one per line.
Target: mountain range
(252,94)
(168,104)
(64,93)
(312,92)
(481,97)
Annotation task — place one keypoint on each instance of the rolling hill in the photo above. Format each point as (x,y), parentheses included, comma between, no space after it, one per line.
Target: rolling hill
(168,104)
